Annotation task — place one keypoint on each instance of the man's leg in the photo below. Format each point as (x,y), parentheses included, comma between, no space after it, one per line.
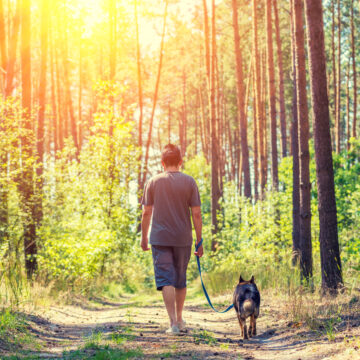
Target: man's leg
(168,293)
(180,295)
(181,259)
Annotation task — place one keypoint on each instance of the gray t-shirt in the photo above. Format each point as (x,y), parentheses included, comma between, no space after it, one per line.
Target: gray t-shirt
(171,193)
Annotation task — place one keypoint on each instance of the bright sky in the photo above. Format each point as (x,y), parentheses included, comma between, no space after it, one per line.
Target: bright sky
(149,28)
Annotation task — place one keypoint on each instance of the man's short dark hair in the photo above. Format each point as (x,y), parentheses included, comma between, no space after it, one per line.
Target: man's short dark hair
(171,155)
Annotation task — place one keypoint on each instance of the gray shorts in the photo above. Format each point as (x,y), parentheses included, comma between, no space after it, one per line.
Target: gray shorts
(170,264)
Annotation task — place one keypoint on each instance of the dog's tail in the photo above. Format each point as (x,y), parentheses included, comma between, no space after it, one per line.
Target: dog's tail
(249,307)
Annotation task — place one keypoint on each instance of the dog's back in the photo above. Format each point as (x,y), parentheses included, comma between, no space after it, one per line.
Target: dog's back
(247,299)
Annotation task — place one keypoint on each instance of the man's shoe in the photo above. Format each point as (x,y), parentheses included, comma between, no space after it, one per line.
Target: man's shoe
(173,330)
(182,325)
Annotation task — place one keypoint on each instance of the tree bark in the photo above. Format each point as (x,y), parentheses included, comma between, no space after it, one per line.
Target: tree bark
(240,103)
(12,50)
(112,73)
(348,133)
(80,118)
(272,97)
(329,244)
(3,157)
(155,98)
(295,153)
(62,125)
(281,82)
(338,88)
(26,183)
(53,94)
(333,59)
(140,97)
(255,139)
(258,102)
(3,52)
(303,138)
(207,42)
(68,96)
(353,55)
(41,112)
(215,191)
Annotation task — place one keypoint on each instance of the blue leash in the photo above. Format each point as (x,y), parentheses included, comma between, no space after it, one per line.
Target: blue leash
(202,283)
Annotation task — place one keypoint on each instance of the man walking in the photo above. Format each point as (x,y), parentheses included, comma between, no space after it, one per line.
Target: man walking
(168,198)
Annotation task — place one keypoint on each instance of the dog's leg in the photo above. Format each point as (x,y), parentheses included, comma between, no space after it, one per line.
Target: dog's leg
(245,330)
(241,326)
(252,330)
(251,326)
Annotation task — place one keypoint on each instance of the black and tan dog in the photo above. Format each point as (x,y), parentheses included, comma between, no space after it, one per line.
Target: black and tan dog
(247,304)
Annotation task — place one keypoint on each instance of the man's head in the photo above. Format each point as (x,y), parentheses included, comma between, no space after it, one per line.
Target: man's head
(171,156)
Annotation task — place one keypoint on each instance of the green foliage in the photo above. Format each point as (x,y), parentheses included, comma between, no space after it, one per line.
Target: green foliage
(347,180)
(88,227)
(256,239)
(13,330)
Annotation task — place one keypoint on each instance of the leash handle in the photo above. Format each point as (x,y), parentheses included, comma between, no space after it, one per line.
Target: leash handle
(198,245)
(202,283)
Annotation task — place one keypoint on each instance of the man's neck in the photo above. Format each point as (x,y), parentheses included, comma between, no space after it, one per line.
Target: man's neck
(172,168)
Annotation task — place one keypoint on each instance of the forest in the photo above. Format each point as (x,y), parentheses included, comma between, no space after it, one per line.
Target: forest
(261,97)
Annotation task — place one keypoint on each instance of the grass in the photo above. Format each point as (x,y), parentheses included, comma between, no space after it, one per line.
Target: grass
(13,330)
(100,347)
(204,337)
(103,353)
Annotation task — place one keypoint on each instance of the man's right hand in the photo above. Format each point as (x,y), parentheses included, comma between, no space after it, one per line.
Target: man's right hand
(199,252)
(144,244)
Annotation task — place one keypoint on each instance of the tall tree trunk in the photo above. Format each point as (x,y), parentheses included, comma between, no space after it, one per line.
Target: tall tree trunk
(55,115)
(10,69)
(255,139)
(348,107)
(329,244)
(353,55)
(303,136)
(183,130)
(295,152)
(215,191)
(333,59)
(155,98)
(3,52)
(112,67)
(272,97)
(26,183)
(80,118)
(338,129)
(281,82)
(240,103)
(207,128)
(68,95)
(140,96)
(41,112)
(3,157)
(263,139)
(62,134)
(258,103)
(207,42)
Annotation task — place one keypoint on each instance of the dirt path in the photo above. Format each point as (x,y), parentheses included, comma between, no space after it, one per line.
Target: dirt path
(137,330)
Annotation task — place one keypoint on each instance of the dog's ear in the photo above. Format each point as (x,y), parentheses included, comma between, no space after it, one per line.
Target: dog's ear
(252,280)
(241,279)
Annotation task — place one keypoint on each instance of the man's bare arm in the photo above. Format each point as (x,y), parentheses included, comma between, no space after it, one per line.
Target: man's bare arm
(145,223)
(197,220)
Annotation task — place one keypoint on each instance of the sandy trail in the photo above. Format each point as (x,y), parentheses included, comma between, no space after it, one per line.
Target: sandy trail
(63,330)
